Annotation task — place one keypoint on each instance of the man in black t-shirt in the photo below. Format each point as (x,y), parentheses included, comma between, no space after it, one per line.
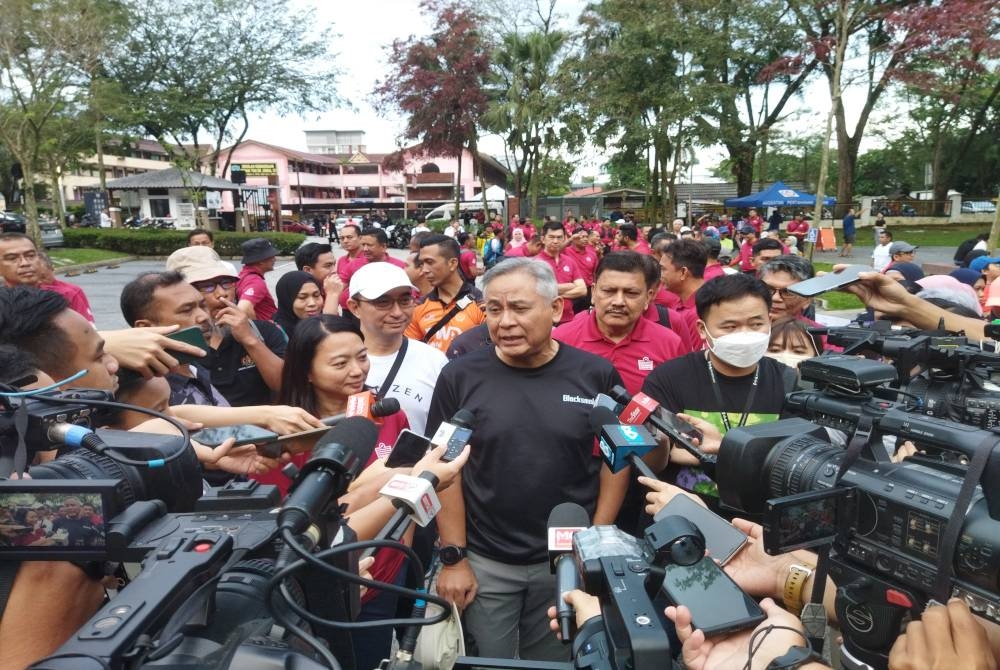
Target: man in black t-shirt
(78,530)
(732,383)
(532,448)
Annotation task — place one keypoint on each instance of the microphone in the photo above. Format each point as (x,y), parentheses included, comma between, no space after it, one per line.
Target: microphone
(454,434)
(565,520)
(375,410)
(621,445)
(414,499)
(641,409)
(336,459)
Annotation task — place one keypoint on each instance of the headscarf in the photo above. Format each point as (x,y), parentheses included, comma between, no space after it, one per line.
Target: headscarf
(517,238)
(287,289)
(910,271)
(949,288)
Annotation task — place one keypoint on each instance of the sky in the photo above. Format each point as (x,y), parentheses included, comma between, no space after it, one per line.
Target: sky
(364,31)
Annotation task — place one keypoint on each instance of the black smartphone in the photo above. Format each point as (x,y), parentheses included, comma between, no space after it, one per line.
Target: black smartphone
(409,448)
(192,336)
(717,604)
(723,540)
(828,282)
(454,437)
(679,430)
(807,519)
(244,433)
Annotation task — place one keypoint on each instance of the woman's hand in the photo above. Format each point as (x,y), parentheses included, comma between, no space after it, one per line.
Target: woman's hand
(284,420)
(242,460)
(660,493)
(446,472)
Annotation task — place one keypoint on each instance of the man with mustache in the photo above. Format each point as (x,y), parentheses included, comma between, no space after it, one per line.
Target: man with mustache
(245,357)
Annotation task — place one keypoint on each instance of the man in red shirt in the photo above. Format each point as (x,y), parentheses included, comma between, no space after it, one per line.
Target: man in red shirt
(74,295)
(568,275)
(615,329)
(586,259)
(755,221)
(21,264)
(251,290)
(713,269)
(375,247)
(467,259)
(350,241)
(628,239)
(529,248)
(745,257)
(683,272)
(799,227)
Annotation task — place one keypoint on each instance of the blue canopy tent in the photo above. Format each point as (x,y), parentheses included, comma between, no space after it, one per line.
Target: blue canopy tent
(777,195)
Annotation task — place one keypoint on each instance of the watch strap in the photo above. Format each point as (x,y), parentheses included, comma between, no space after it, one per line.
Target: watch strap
(795,582)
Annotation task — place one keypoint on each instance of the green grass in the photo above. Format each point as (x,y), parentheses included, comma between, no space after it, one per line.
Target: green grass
(924,236)
(63,257)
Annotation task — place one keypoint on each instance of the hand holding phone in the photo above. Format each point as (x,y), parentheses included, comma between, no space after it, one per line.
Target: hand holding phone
(243,433)
(722,539)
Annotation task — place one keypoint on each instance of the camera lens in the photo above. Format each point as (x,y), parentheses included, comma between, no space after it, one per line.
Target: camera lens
(794,464)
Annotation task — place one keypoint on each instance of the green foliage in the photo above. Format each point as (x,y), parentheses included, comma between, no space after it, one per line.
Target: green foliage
(553,177)
(165,242)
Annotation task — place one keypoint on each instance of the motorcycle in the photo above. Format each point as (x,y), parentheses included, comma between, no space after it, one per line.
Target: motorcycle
(399,234)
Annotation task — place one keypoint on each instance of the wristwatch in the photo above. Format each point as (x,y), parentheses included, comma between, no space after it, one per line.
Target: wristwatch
(795,657)
(451,554)
(796,580)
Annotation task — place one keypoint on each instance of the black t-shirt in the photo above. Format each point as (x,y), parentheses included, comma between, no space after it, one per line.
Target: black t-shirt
(683,385)
(532,447)
(81,532)
(234,372)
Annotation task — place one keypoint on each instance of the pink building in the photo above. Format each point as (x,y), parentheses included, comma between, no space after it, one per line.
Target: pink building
(313,183)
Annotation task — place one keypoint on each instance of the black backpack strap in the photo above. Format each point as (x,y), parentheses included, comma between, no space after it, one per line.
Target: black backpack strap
(664,316)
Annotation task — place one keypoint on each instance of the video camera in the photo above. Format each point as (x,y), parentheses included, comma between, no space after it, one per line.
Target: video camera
(220,584)
(898,534)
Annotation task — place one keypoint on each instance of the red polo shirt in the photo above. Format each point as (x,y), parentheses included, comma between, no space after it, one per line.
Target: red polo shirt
(688,311)
(713,271)
(252,287)
(746,257)
(679,324)
(586,260)
(346,267)
(648,345)
(566,271)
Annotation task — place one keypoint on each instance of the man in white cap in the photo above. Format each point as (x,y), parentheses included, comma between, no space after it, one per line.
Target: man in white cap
(245,358)
(381,296)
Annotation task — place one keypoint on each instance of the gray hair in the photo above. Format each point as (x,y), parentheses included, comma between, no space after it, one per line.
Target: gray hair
(545,279)
(798,267)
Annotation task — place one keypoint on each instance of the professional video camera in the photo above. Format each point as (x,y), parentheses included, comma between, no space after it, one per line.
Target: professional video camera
(220,579)
(898,534)
(942,374)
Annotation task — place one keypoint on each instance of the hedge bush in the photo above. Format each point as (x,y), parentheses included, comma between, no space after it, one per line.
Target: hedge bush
(164,242)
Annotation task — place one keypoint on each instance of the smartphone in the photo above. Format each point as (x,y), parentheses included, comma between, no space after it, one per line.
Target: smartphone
(828,282)
(722,539)
(192,336)
(409,448)
(245,433)
(454,437)
(677,428)
(717,604)
(273,447)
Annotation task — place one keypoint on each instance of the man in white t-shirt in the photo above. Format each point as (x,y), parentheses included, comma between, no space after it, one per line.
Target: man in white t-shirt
(381,296)
(880,256)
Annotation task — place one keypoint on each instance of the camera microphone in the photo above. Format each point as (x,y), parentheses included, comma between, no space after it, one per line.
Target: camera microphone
(336,460)
(565,520)
(621,445)
(642,409)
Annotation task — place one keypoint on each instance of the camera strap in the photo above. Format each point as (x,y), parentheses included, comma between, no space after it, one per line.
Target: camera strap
(952,529)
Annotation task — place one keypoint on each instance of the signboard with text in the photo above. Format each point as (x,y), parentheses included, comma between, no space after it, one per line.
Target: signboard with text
(256,169)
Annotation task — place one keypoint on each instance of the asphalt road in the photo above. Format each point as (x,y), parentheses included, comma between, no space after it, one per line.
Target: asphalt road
(103,288)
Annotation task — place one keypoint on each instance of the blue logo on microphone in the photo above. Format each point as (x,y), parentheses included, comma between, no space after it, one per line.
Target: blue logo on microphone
(630,434)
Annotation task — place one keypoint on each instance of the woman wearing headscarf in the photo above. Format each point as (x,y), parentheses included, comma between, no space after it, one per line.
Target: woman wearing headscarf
(299,297)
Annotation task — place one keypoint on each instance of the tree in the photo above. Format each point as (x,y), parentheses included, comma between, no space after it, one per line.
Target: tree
(43,80)
(552,178)
(438,82)
(191,72)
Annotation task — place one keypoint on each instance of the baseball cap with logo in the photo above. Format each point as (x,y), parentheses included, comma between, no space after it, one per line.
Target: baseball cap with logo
(373,280)
(198,264)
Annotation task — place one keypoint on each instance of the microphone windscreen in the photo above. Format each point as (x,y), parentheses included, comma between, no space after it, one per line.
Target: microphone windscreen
(601,416)
(355,433)
(385,407)
(568,515)
(463,418)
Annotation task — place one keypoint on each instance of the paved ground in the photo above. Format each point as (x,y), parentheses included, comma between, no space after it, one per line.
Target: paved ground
(103,287)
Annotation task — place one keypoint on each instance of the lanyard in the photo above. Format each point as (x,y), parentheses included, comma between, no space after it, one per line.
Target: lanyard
(718,396)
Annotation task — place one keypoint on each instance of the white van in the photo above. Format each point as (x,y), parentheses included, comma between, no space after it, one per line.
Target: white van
(445,212)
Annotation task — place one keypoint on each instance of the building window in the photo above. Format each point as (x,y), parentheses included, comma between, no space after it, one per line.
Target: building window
(430,167)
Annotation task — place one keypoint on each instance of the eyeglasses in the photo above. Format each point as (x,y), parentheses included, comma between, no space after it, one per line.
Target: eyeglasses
(384,304)
(209,286)
(782,293)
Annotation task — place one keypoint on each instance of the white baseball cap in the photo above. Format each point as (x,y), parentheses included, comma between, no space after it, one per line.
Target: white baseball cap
(374,280)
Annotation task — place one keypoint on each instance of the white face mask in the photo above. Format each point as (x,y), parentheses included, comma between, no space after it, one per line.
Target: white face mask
(741,349)
(790,359)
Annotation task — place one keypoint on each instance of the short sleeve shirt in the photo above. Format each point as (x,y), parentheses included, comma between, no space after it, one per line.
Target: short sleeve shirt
(346,267)
(234,372)
(253,288)
(428,313)
(567,271)
(586,260)
(74,295)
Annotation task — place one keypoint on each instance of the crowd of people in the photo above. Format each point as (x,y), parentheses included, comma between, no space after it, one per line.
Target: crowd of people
(524,338)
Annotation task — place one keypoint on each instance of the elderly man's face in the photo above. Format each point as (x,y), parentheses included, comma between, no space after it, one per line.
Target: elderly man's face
(619,299)
(520,320)
(784,303)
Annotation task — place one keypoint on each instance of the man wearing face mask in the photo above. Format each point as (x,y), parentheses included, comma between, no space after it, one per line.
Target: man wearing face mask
(730,384)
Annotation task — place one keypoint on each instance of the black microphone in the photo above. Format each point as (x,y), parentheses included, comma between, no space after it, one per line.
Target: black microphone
(336,459)
(621,444)
(641,409)
(565,520)
(378,409)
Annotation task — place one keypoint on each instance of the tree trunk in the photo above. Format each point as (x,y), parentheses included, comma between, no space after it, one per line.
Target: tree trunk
(743,158)
(458,186)
(58,205)
(30,205)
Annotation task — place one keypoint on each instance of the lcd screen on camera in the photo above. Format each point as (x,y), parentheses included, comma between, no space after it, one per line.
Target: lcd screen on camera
(805,520)
(37,520)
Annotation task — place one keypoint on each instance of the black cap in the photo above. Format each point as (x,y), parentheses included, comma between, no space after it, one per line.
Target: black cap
(258,249)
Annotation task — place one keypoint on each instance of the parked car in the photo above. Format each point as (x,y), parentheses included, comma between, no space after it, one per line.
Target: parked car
(12,222)
(296,227)
(978,207)
(52,234)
